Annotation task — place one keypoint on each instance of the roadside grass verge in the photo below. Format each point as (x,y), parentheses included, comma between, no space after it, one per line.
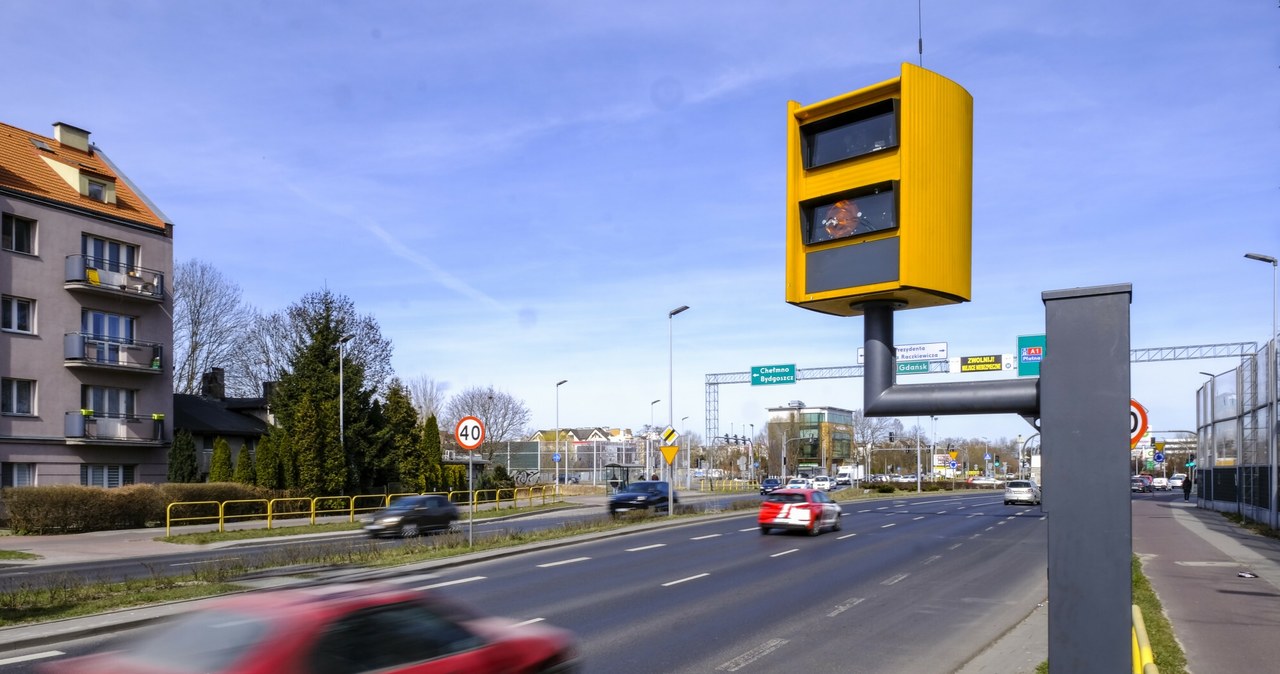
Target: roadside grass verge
(1164,647)
(1259,528)
(15,554)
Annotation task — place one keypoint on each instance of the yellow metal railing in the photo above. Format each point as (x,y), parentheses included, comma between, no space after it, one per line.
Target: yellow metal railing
(1143,658)
(275,509)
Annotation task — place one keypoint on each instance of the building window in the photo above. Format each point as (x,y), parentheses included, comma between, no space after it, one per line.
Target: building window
(17,314)
(17,474)
(108,332)
(107,401)
(17,396)
(99,475)
(107,254)
(19,234)
(97,191)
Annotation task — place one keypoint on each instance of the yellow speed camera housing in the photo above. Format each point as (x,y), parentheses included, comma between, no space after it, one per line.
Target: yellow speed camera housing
(880,196)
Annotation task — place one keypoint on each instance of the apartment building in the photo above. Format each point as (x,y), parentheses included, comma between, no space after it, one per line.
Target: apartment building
(86,391)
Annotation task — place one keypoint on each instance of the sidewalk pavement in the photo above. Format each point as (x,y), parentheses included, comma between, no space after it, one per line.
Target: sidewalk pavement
(1218,583)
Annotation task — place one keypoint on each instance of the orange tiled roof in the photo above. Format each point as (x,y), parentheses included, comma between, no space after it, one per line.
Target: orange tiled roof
(22,170)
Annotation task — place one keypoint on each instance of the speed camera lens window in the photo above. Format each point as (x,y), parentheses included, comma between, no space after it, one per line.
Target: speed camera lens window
(859,132)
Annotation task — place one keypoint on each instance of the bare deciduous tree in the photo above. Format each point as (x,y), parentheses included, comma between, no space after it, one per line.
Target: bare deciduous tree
(505,416)
(262,355)
(208,320)
(428,395)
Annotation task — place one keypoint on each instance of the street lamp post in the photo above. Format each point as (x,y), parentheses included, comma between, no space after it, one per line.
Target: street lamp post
(1272,391)
(1210,451)
(671,416)
(342,438)
(648,438)
(557,466)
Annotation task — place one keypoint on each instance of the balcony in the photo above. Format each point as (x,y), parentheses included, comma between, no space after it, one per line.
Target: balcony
(84,426)
(84,273)
(84,350)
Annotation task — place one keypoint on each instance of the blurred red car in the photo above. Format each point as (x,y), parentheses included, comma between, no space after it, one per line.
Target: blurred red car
(335,629)
(809,510)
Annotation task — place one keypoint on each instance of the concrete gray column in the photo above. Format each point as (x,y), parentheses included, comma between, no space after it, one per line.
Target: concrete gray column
(1084,426)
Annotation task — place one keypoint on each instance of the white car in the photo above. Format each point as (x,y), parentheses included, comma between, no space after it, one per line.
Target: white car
(824,483)
(1161,484)
(799,483)
(1175,480)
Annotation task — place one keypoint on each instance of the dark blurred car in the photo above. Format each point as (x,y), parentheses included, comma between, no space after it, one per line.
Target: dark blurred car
(649,494)
(335,629)
(809,510)
(769,484)
(1139,485)
(412,515)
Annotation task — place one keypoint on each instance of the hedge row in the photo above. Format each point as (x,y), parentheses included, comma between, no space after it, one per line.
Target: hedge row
(73,508)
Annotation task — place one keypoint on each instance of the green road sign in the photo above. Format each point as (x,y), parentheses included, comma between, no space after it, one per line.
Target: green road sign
(913,367)
(1030,353)
(765,375)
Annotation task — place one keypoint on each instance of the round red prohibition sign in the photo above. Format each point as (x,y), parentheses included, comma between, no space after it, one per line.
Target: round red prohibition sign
(1137,422)
(469,433)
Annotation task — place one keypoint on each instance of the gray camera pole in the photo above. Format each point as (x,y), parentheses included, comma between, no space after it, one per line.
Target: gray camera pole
(1082,401)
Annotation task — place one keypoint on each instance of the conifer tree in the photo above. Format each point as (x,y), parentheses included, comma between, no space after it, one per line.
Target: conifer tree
(266,461)
(244,472)
(183,464)
(220,465)
(432,457)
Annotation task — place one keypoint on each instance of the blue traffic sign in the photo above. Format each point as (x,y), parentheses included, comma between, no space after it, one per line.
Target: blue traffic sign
(953,465)
(1159,457)
(556,457)
(986,457)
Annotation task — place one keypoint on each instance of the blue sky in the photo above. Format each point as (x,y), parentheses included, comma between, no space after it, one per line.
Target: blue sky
(519,192)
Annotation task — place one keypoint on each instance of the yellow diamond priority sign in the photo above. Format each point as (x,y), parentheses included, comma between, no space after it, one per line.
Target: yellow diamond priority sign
(669,435)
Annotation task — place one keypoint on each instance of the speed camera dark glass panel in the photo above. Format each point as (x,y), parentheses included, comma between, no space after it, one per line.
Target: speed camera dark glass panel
(871,209)
(858,132)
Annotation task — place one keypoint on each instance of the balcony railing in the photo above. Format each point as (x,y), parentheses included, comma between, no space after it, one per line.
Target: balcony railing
(86,425)
(81,349)
(95,274)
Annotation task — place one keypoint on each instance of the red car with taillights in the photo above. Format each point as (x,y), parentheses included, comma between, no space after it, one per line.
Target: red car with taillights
(808,510)
(334,629)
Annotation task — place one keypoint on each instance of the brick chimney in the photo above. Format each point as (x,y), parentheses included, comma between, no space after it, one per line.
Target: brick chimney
(213,384)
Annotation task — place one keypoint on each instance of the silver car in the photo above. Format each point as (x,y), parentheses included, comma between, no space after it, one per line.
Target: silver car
(1021,491)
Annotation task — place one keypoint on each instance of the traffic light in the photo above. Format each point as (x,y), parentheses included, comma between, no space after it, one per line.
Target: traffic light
(997,460)
(880,194)
(1191,463)
(891,436)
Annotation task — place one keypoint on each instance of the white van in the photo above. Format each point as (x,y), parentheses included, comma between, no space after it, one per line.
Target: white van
(844,475)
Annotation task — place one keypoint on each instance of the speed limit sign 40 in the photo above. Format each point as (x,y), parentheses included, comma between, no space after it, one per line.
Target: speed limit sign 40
(1137,422)
(469,433)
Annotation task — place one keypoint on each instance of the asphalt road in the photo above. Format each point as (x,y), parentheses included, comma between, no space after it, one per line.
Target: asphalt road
(909,585)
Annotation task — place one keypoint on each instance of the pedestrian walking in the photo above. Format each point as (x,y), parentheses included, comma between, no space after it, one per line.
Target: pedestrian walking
(1186,488)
